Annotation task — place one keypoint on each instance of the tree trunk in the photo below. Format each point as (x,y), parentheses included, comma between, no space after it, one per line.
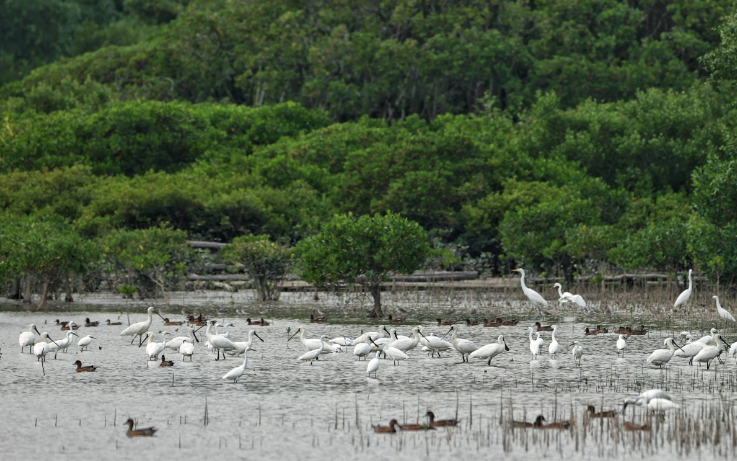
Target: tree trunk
(27,294)
(68,291)
(376,294)
(44,296)
(15,292)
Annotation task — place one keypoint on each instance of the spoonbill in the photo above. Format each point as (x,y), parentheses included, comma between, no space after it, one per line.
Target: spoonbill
(394,353)
(708,338)
(490,351)
(553,348)
(565,297)
(723,312)
(577,351)
(176,342)
(373,365)
(241,346)
(690,349)
(28,338)
(709,352)
(83,343)
(237,372)
(186,349)
(660,357)
(219,342)
(313,344)
(312,355)
(531,294)
(646,397)
(41,348)
(362,349)
(153,349)
(621,344)
(434,343)
(463,346)
(138,329)
(405,344)
(62,344)
(686,294)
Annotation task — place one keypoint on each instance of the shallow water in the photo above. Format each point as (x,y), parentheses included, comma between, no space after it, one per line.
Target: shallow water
(282,408)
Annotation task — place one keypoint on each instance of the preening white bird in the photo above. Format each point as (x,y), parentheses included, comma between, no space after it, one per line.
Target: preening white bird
(723,312)
(138,329)
(686,294)
(175,342)
(463,346)
(405,344)
(394,353)
(645,397)
(28,338)
(565,297)
(153,349)
(63,344)
(186,349)
(373,365)
(553,348)
(621,344)
(490,351)
(342,341)
(534,344)
(435,344)
(237,372)
(660,357)
(690,349)
(312,355)
(83,343)
(709,352)
(531,294)
(312,344)
(577,351)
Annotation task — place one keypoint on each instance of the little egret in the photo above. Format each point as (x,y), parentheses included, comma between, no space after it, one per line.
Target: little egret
(723,312)
(237,372)
(553,348)
(683,297)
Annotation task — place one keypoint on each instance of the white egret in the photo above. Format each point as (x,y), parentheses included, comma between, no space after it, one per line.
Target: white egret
(709,352)
(312,355)
(138,329)
(532,295)
(683,297)
(28,338)
(660,357)
(241,346)
(553,348)
(490,351)
(463,346)
(723,312)
(434,343)
(83,343)
(534,344)
(237,372)
(621,344)
(577,351)
(690,349)
(373,365)
(186,349)
(565,297)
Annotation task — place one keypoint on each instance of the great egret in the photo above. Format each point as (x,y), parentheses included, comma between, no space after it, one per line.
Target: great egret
(683,297)
(531,294)
(490,350)
(721,311)
(565,297)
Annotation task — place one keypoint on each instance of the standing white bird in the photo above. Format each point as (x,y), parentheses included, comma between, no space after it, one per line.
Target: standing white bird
(708,338)
(565,297)
(362,349)
(311,344)
(434,343)
(28,338)
(660,357)
(733,351)
(394,353)
(690,349)
(83,343)
(553,348)
(219,342)
(709,352)
(312,355)
(723,312)
(686,294)
(41,348)
(153,349)
(577,351)
(241,346)
(237,372)
(621,344)
(405,344)
(531,294)
(63,344)
(175,342)
(138,329)
(534,344)
(186,349)
(373,365)
(463,346)
(490,351)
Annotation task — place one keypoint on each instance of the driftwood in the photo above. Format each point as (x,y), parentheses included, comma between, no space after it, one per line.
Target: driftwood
(207,245)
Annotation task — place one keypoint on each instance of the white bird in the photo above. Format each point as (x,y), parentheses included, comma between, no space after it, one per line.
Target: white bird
(531,294)
(534,344)
(84,342)
(219,342)
(621,344)
(553,348)
(312,355)
(311,344)
(341,341)
(709,352)
(683,297)
(660,357)
(63,344)
(373,365)
(463,346)
(138,329)
(28,338)
(565,297)
(405,344)
(733,351)
(577,351)
(175,342)
(236,372)
(241,346)
(362,349)
(723,312)
(690,349)
(186,349)
(661,405)
(153,349)
(645,397)
(41,348)
(434,343)
(490,351)
(394,353)
(708,338)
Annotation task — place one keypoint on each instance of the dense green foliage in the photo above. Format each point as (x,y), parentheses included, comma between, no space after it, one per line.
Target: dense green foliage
(573,137)
(265,261)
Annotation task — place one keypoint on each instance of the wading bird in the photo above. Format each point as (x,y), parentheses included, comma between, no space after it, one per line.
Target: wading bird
(138,329)
(490,351)
(237,372)
(660,357)
(531,294)
(722,312)
(686,294)
(565,297)
(28,338)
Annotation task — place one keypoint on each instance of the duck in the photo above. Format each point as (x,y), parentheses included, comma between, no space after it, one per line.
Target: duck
(539,327)
(600,329)
(89,323)
(509,323)
(471,323)
(314,319)
(109,323)
(443,323)
(588,332)
(60,323)
(145,432)
(622,330)
(169,323)
(558,425)
(81,369)
(196,321)
(523,424)
(166,363)
(440,423)
(258,323)
(493,323)
(416,427)
(68,325)
(391,428)
(591,410)
(636,427)
(639,332)
(395,319)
